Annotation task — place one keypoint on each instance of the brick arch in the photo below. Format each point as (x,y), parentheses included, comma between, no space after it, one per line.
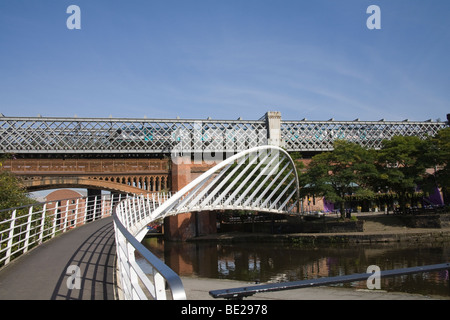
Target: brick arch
(46,183)
(127,184)
(122,175)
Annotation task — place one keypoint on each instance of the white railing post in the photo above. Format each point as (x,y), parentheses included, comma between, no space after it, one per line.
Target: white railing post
(138,210)
(103,205)
(160,286)
(149,209)
(55,218)
(94,212)
(66,216)
(134,282)
(41,231)
(129,217)
(76,213)
(86,205)
(27,234)
(11,236)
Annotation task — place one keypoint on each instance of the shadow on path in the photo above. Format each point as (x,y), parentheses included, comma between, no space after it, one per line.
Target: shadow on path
(94,278)
(45,273)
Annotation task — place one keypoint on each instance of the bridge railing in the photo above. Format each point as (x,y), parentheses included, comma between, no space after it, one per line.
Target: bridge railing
(25,227)
(130,219)
(243,292)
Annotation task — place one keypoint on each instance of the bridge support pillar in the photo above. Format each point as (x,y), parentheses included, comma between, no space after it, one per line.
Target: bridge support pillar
(181,172)
(189,225)
(182,226)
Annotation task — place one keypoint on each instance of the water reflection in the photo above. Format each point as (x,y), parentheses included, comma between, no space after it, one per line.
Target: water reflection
(271,262)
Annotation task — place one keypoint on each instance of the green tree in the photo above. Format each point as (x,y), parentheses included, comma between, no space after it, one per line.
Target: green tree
(440,154)
(348,169)
(12,194)
(402,163)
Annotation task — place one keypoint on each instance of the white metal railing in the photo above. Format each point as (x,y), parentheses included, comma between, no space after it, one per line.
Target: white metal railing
(25,227)
(130,220)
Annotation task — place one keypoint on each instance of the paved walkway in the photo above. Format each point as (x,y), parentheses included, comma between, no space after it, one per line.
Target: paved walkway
(41,274)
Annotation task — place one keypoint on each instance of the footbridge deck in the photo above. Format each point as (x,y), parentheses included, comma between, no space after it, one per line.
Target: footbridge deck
(42,273)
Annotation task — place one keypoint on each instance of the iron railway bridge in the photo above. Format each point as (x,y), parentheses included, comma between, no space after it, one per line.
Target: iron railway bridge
(48,135)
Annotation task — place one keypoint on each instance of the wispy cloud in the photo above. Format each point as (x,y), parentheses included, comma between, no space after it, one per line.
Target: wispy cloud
(305,59)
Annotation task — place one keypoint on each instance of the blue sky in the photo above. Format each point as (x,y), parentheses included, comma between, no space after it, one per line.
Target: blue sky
(226,59)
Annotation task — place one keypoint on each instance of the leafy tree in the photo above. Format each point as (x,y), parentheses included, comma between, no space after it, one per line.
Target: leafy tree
(440,153)
(12,194)
(348,169)
(402,162)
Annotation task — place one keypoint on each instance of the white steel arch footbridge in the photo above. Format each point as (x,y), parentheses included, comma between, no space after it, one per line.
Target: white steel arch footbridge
(260,179)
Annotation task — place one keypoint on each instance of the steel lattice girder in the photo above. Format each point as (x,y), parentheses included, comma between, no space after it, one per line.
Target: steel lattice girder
(58,135)
(320,135)
(108,135)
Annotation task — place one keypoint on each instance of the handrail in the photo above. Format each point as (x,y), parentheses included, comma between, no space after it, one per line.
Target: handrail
(129,221)
(25,227)
(242,292)
(131,272)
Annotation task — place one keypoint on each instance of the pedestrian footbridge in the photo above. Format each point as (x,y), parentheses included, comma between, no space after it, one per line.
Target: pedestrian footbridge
(39,259)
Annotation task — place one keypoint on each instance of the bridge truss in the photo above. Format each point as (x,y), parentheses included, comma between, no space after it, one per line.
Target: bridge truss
(41,135)
(76,135)
(320,135)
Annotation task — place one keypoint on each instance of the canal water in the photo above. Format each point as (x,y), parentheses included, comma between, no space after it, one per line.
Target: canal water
(274,262)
